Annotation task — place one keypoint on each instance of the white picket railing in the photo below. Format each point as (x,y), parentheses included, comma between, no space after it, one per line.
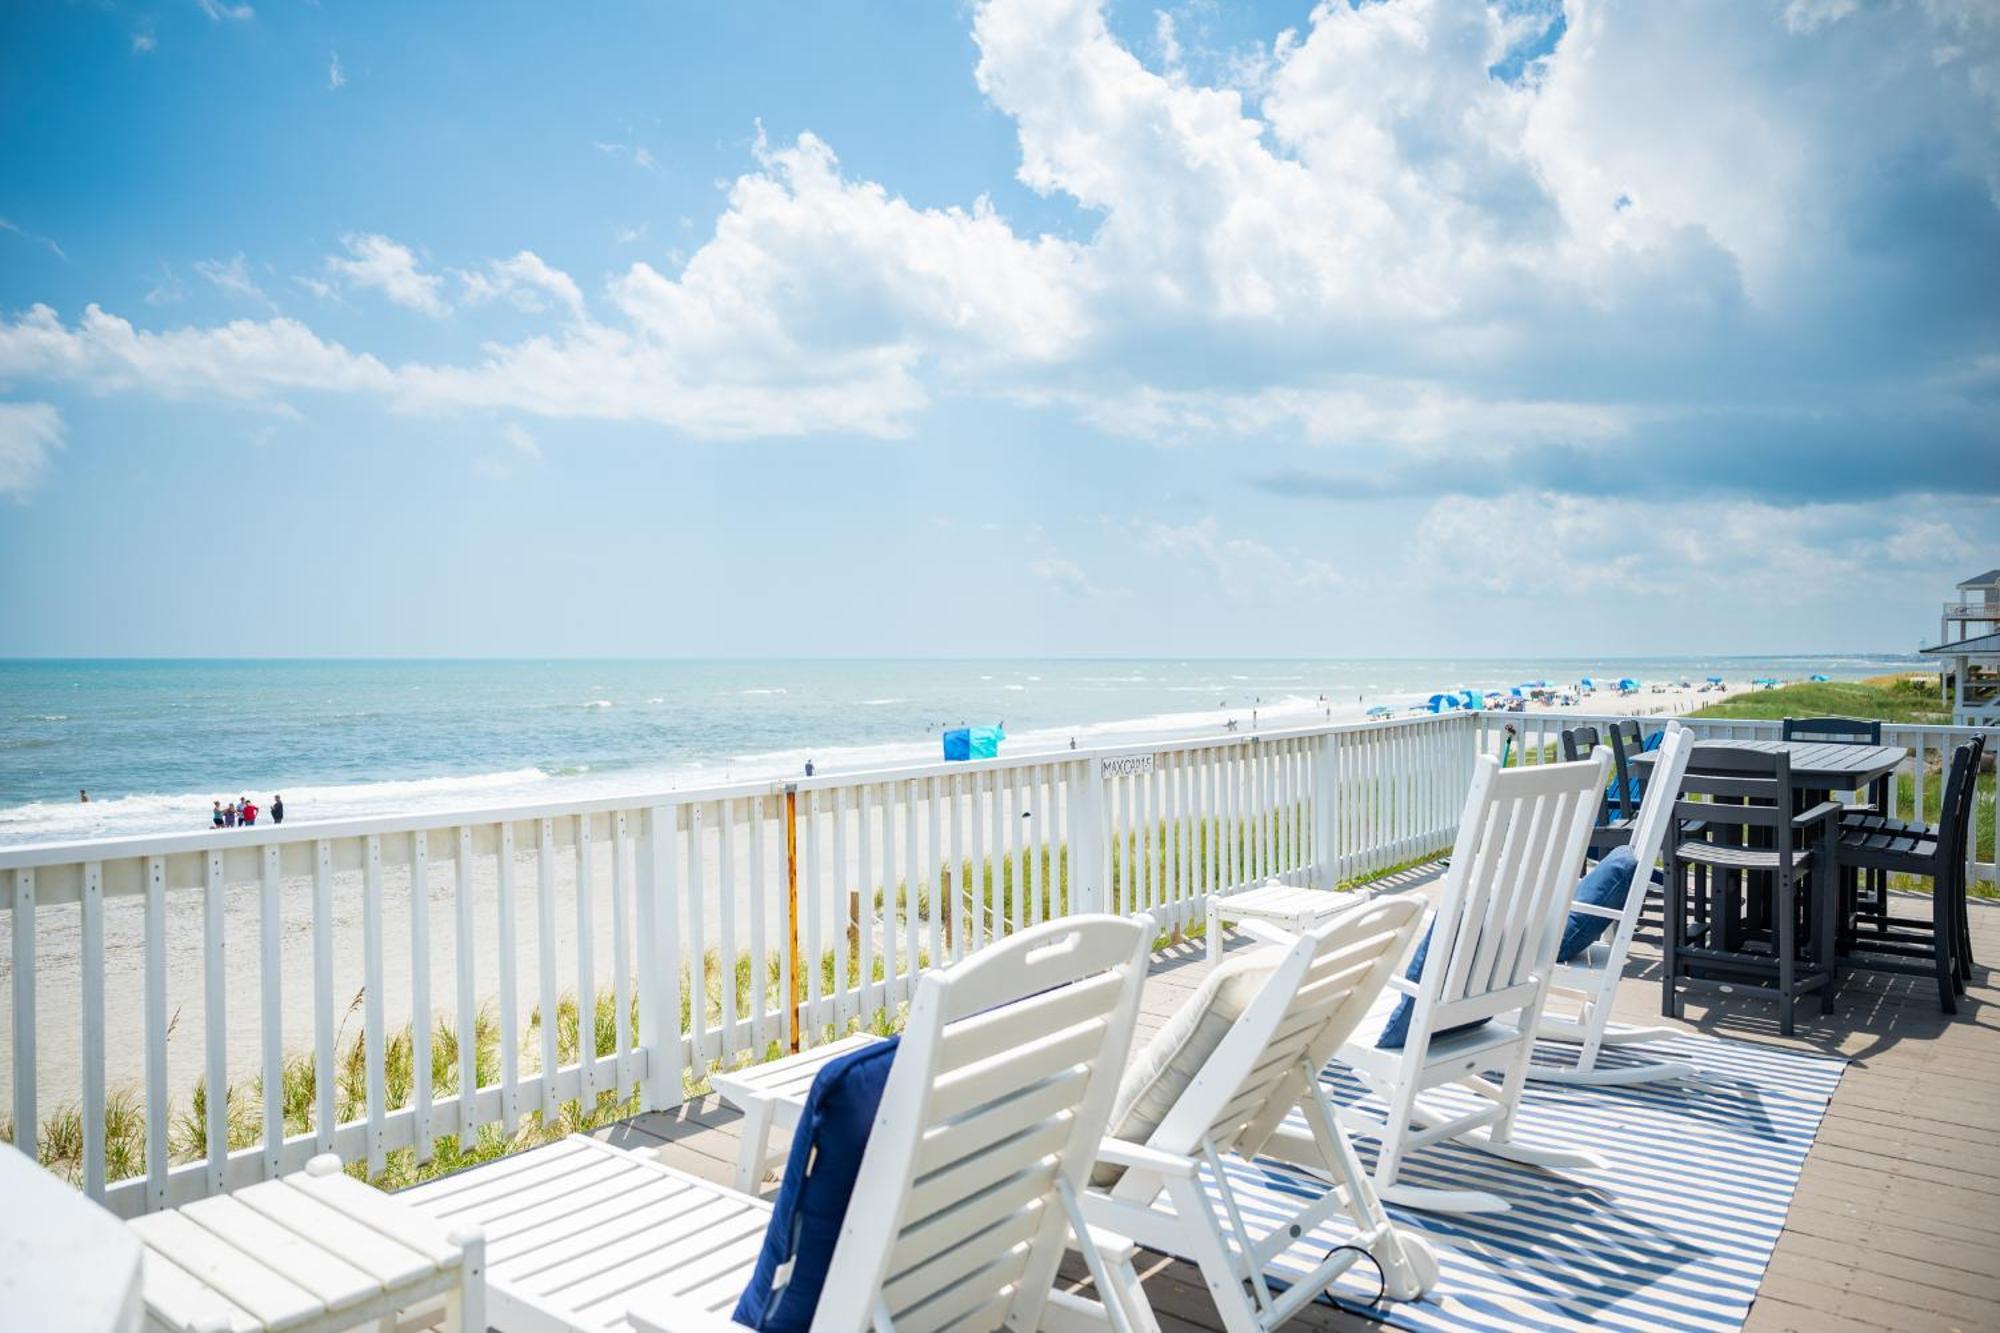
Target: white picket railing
(833,893)
(162,963)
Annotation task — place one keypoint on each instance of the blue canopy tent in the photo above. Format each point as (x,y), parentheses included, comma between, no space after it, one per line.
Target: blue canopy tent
(962,743)
(1470,699)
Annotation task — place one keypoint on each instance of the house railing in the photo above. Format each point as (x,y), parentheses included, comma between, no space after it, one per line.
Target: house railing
(311,967)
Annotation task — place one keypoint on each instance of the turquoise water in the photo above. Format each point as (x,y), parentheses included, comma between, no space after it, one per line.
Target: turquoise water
(156,742)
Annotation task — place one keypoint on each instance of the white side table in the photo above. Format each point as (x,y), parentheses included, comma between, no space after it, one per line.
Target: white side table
(770,1096)
(315,1251)
(1287,906)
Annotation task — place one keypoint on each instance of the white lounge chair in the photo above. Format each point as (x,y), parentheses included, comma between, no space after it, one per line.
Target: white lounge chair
(1244,1052)
(1590,983)
(965,1201)
(1490,956)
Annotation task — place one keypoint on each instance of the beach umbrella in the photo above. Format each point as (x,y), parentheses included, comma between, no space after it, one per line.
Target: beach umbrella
(1588,683)
(1442,703)
(1627,683)
(1715,680)
(1380,710)
(1822,678)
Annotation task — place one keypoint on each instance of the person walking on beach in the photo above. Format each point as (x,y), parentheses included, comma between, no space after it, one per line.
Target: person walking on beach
(229,815)
(82,797)
(278,808)
(218,814)
(249,812)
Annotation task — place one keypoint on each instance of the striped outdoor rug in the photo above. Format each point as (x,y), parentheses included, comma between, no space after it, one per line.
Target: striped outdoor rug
(1675,1234)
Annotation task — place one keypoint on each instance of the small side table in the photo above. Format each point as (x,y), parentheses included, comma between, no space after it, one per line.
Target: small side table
(770,1096)
(1287,906)
(315,1251)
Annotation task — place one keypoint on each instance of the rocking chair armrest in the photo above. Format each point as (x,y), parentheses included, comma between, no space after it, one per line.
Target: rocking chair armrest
(1403,986)
(1593,909)
(667,1313)
(1139,1156)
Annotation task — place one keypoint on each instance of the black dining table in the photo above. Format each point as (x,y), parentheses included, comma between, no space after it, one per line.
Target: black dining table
(1817,766)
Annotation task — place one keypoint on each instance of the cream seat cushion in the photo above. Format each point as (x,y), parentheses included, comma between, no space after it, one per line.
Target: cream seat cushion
(1161,1072)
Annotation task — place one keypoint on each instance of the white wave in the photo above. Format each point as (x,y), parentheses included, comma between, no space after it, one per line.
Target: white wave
(598,703)
(656,701)
(764,690)
(1013,687)
(880,703)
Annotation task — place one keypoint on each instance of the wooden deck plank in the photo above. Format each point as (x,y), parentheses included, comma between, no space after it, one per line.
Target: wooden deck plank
(1897,1209)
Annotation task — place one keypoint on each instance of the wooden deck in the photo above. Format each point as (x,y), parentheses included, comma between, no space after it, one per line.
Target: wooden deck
(1897,1217)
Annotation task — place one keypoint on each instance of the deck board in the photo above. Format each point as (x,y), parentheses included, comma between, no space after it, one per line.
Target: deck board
(1897,1211)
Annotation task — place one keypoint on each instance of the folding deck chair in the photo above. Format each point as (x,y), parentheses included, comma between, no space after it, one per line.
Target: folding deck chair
(1243,1053)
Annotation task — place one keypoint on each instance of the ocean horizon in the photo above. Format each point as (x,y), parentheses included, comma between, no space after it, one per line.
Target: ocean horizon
(155,741)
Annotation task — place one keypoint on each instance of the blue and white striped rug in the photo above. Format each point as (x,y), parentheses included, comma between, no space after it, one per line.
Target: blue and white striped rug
(1675,1233)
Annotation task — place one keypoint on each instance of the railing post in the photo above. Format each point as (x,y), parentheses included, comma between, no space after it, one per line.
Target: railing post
(1326,788)
(659,963)
(792,1024)
(1088,872)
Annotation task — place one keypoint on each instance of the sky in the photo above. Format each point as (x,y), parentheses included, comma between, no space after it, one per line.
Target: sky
(1421,327)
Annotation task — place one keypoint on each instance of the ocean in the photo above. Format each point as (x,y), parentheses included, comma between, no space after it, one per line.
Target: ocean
(155,742)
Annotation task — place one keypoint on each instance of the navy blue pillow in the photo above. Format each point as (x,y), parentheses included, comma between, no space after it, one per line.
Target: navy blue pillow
(1608,884)
(1397,1030)
(812,1199)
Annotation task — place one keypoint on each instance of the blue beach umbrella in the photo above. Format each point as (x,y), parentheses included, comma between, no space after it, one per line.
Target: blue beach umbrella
(1822,678)
(1715,680)
(1627,683)
(1442,703)
(1588,683)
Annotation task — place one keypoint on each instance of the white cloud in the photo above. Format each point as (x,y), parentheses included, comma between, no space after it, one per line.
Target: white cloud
(375,261)
(232,275)
(218,11)
(519,450)
(29,432)
(526,280)
(336,77)
(8,225)
(1242,568)
(143,40)
(637,154)
(245,360)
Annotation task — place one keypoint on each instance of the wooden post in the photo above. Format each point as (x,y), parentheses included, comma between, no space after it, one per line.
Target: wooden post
(792,911)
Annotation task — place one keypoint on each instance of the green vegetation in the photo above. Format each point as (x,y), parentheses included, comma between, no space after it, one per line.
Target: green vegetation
(1910,699)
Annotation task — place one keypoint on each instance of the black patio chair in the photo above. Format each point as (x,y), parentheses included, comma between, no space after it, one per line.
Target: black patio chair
(1612,829)
(1839,730)
(1937,943)
(1750,897)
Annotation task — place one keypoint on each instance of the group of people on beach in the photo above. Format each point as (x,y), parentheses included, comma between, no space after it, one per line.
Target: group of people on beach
(244,812)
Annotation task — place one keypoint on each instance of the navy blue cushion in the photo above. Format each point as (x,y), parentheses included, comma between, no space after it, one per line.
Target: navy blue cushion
(1608,884)
(1397,1029)
(812,1199)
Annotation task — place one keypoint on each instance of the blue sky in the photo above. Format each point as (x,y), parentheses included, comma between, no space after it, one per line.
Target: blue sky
(1041,326)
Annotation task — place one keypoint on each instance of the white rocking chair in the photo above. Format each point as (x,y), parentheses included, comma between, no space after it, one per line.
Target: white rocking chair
(966,1199)
(1302,1000)
(1492,949)
(1590,982)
